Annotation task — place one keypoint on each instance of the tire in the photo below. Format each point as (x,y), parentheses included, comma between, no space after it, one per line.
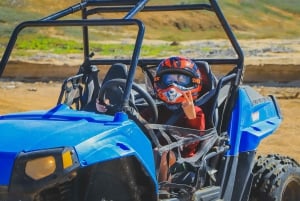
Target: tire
(276,178)
(114,181)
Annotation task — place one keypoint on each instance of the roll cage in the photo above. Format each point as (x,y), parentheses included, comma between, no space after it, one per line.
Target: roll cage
(131,8)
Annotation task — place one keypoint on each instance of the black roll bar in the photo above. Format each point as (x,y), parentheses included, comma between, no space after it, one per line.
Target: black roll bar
(232,39)
(132,7)
(65,12)
(151,8)
(95,22)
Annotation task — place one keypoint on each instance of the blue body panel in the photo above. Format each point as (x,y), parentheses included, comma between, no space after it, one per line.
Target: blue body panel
(95,137)
(254,117)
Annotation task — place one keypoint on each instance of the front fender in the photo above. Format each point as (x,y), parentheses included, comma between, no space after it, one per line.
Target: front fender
(254,118)
(123,141)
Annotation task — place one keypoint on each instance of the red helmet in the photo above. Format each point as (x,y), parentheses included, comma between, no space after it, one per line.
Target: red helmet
(175,76)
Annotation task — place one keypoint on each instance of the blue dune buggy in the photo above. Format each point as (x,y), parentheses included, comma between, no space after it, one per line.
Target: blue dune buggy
(73,153)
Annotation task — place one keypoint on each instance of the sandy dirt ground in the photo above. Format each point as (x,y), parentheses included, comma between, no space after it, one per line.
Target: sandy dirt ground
(286,140)
(18,96)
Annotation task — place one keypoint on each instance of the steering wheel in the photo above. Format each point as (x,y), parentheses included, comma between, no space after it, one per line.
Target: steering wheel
(113,90)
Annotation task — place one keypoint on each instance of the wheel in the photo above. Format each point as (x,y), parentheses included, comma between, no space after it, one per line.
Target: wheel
(276,178)
(114,90)
(114,180)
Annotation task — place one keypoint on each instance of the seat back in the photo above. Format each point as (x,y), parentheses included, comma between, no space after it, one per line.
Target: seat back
(116,71)
(209,82)
(71,92)
(80,91)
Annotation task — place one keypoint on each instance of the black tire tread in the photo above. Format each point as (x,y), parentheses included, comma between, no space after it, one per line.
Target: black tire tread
(270,172)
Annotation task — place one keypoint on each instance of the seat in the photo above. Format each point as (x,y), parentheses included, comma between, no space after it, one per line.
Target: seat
(117,70)
(114,94)
(80,91)
(207,97)
(209,80)
(71,92)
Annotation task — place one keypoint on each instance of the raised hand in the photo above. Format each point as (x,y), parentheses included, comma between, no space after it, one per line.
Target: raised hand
(188,106)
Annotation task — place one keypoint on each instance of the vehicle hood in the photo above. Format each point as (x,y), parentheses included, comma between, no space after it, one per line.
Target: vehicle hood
(94,137)
(60,126)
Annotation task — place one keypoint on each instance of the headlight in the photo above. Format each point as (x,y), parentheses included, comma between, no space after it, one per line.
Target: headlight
(36,170)
(40,167)
(43,163)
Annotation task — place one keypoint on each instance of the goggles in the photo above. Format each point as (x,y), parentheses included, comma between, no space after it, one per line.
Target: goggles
(177,80)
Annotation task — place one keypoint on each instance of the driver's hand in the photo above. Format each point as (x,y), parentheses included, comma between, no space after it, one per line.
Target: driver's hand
(188,106)
(102,108)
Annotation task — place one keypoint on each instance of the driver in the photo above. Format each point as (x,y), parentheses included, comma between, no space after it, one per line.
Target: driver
(178,83)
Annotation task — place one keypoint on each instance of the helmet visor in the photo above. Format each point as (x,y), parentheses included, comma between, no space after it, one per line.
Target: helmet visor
(177,79)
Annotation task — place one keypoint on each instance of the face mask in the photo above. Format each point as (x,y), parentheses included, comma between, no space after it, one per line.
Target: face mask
(172,93)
